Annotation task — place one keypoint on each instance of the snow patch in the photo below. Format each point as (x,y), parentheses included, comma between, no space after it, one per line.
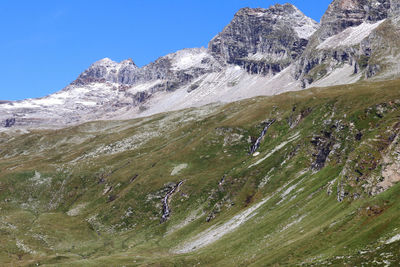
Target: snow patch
(188,58)
(350,36)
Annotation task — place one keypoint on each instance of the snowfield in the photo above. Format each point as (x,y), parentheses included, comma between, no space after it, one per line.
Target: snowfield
(350,36)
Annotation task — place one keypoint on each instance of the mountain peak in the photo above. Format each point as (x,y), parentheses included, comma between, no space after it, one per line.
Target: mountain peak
(285,7)
(277,9)
(342,14)
(106,70)
(273,37)
(104,61)
(128,61)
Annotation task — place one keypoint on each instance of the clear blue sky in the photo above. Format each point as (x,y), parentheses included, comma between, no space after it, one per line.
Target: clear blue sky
(45,44)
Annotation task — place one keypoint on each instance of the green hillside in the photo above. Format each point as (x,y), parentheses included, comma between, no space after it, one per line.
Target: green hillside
(322,187)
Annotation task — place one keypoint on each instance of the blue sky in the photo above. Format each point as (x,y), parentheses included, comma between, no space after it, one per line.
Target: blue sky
(46,44)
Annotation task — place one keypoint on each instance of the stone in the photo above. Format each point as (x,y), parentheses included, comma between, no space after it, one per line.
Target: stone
(264,41)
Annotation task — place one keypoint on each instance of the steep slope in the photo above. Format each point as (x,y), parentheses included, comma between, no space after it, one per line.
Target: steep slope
(357,39)
(321,188)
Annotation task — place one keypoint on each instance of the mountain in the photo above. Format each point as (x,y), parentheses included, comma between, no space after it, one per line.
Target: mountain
(242,153)
(357,40)
(264,41)
(187,78)
(261,52)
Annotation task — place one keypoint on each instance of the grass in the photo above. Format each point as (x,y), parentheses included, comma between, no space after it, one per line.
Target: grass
(114,174)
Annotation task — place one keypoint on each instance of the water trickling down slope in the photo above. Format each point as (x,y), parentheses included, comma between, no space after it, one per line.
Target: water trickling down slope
(263,133)
(166,209)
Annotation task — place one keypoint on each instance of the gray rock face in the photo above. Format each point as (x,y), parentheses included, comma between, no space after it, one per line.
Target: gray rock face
(110,71)
(347,20)
(264,40)
(179,68)
(394,7)
(9,122)
(174,70)
(342,14)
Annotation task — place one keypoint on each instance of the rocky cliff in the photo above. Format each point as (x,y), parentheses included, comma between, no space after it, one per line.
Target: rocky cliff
(342,14)
(264,41)
(352,33)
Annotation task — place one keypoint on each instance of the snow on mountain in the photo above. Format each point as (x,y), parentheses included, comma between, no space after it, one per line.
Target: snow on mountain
(230,85)
(350,36)
(189,58)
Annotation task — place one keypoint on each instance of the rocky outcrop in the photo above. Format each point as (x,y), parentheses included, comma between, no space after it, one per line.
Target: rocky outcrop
(349,34)
(343,14)
(294,120)
(264,41)
(9,122)
(323,146)
(106,70)
(394,8)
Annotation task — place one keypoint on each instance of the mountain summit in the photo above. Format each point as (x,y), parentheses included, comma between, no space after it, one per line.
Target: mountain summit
(264,41)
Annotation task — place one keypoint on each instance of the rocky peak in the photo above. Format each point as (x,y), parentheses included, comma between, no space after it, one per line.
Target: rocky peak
(128,61)
(105,62)
(277,10)
(170,71)
(263,41)
(107,70)
(349,35)
(342,14)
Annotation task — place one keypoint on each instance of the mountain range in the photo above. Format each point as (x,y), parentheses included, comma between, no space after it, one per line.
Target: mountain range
(261,52)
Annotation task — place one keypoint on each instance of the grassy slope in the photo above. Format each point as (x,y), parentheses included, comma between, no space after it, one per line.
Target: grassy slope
(117,196)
